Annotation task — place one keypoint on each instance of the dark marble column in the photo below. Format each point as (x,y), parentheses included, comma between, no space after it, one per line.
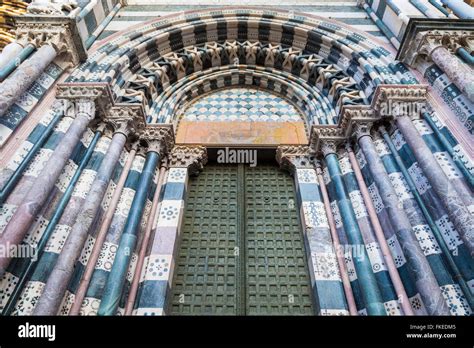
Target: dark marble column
(128,241)
(444,188)
(53,293)
(368,283)
(33,201)
(424,278)
(23,77)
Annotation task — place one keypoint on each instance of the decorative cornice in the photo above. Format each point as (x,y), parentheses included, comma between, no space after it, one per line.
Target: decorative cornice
(291,157)
(192,157)
(422,35)
(158,138)
(59,32)
(99,92)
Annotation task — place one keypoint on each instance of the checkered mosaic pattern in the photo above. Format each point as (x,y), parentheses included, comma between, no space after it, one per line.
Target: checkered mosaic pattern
(242,104)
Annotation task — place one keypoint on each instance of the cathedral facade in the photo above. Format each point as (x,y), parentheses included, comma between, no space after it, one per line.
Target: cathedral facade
(290,158)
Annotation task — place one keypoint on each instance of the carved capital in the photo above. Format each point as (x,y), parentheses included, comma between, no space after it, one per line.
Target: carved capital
(58,31)
(98,92)
(361,129)
(86,108)
(128,119)
(158,138)
(323,134)
(400,100)
(192,157)
(292,157)
(329,146)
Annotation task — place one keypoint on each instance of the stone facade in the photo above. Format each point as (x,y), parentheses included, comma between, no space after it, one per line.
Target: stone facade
(99,141)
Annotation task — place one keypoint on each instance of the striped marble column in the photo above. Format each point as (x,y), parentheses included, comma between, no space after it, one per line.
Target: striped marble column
(9,53)
(419,266)
(463,220)
(157,273)
(58,281)
(423,231)
(326,279)
(39,192)
(149,232)
(402,296)
(415,300)
(376,258)
(95,290)
(159,140)
(22,78)
(50,253)
(435,210)
(368,283)
(102,234)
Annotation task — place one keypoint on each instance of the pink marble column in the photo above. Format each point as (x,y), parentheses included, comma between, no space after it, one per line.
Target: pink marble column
(461,74)
(101,235)
(24,76)
(33,201)
(9,52)
(337,245)
(378,230)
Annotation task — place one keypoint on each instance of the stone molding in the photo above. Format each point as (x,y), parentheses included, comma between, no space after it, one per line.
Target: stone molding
(60,32)
(291,157)
(192,157)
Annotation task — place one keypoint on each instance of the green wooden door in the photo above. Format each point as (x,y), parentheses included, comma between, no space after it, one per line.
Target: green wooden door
(242,250)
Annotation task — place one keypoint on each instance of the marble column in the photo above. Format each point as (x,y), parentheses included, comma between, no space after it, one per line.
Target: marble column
(154,287)
(23,77)
(9,53)
(351,303)
(424,278)
(368,283)
(33,201)
(459,214)
(150,227)
(101,236)
(55,288)
(128,241)
(460,8)
(458,72)
(378,231)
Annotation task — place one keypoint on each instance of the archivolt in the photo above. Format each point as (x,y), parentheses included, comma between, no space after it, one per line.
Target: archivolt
(146,64)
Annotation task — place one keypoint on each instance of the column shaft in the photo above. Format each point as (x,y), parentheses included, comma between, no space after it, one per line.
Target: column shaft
(101,235)
(368,282)
(337,245)
(461,74)
(24,76)
(425,280)
(150,225)
(378,231)
(50,300)
(53,222)
(459,214)
(460,8)
(128,241)
(9,52)
(33,201)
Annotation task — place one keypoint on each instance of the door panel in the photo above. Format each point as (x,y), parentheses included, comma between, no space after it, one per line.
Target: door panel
(242,250)
(205,281)
(276,272)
